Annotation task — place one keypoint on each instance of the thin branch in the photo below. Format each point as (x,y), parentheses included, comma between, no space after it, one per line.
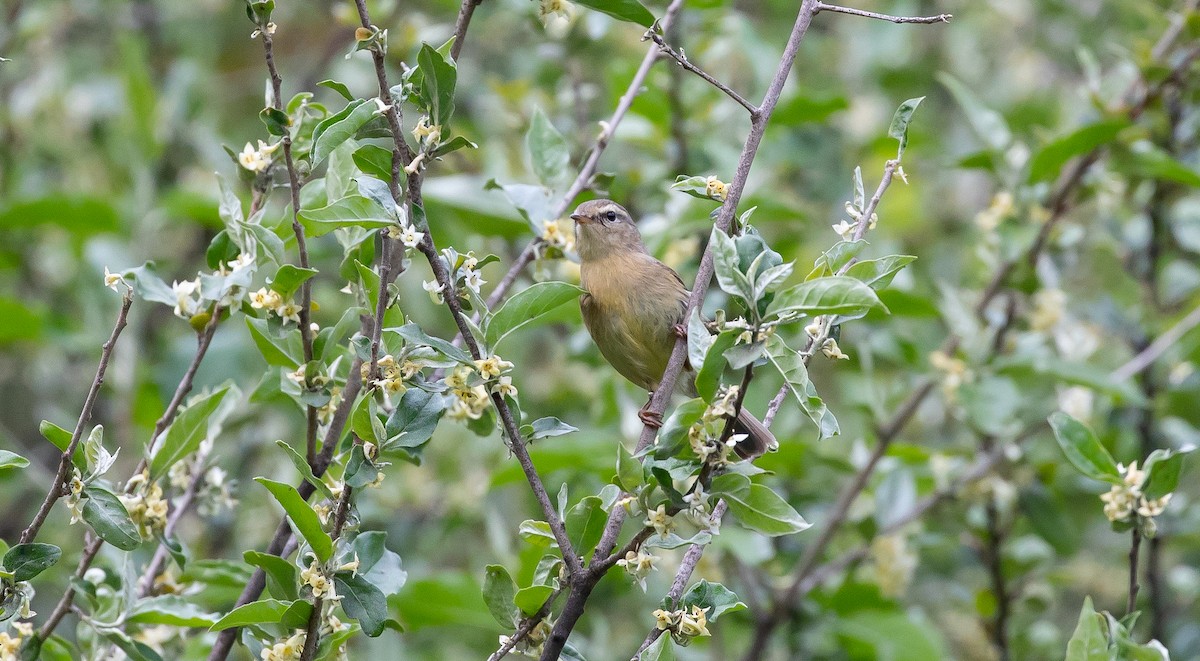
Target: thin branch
(465,12)
(940,18)
(588,169)
(1146,357)
(684,62)
(528,625)
(994,540)
(59,487)
(441,274)
(298,230)
(580,590)
(181,506)
(1136,544)
(282,539)
(682,576)
(314,620)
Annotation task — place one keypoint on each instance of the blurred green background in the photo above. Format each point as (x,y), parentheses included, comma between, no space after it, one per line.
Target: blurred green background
(112,121)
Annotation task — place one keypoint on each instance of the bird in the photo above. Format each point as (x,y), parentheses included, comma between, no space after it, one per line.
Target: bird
(634,308)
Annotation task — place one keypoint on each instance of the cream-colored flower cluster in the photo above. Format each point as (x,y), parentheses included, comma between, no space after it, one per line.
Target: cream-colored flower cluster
(470,387)
(1124,500)
(954,373)
(531,645)
(662,522)
(257,159)
(145,503)
(10,645)
(716,189)
(894,564)
(683,624)
(1001,207)
(285,650)
(846,228)
(704,436)
(270,300)
(638,564)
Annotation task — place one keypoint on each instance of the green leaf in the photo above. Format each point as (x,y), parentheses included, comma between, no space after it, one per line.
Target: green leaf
(756,506)
(548,151)
(1083,449)
(379,565)
(1050,159)
(350,211)
(988,124)
(305,470)
(499,590)
(336,129)
(79,216)
(452,145)
(549,427)
(878,273)
(360,471)
(630,473)
(585,524)
(24,561)
(12,460)
(413,333)
(829,295)
(171,610)
(526,307)
(795,376)
(301,514)
(281,574)
(1145,159)
(726,265)
(625,10)
(297,615)
(900,120)
(289,278)
(438,78)
(895,497)
(531,599)
(662,649)
(61,439)
(362,601)
(266,611)
(673,435)
(375,161)
(1089,642)
(835,258)
(1163,468)
(186,432)
(275,120)
(708,377)
(106,514)
(415,418)
(340,88)
(713,596)
(280,348)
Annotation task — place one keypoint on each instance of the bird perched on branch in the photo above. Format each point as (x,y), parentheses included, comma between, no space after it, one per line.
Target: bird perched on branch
(634,307)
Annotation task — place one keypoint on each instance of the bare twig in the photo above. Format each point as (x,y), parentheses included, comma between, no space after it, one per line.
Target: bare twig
(1158,347)
(684,62)
(1134,546)
(465,12)
(59,487)
(940,18)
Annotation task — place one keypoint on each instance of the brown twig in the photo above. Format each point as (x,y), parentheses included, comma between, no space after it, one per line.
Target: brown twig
(684,62)
(314,620)
(940,18)
(298,230)
(60,487)
(527,627)
(465,12)
(1135,545)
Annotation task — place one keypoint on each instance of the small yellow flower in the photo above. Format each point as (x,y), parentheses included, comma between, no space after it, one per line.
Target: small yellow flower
(716,189)
(832,350)
(662,522)
(435,291)
(492,366)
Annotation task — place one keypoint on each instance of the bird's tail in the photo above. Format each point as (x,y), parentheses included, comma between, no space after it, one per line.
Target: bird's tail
(759,440)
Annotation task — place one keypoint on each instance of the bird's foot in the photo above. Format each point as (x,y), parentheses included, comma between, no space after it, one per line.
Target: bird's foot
(680,331)
(650,418)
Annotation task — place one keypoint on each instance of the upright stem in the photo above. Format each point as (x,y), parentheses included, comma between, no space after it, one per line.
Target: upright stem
(59,487)
(1136,544)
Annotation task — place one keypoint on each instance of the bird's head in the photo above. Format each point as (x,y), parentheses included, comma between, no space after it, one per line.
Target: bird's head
(603,228)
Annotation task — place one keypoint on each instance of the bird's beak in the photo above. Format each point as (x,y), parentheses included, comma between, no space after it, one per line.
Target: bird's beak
(580,218)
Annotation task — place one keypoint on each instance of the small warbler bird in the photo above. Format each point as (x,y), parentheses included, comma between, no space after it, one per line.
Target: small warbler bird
(634,307)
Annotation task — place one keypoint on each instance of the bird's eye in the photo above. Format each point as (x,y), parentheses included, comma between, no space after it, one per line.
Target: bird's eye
(611,215)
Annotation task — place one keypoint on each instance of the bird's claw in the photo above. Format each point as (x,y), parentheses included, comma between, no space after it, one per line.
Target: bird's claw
(650,418)
(680,331)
